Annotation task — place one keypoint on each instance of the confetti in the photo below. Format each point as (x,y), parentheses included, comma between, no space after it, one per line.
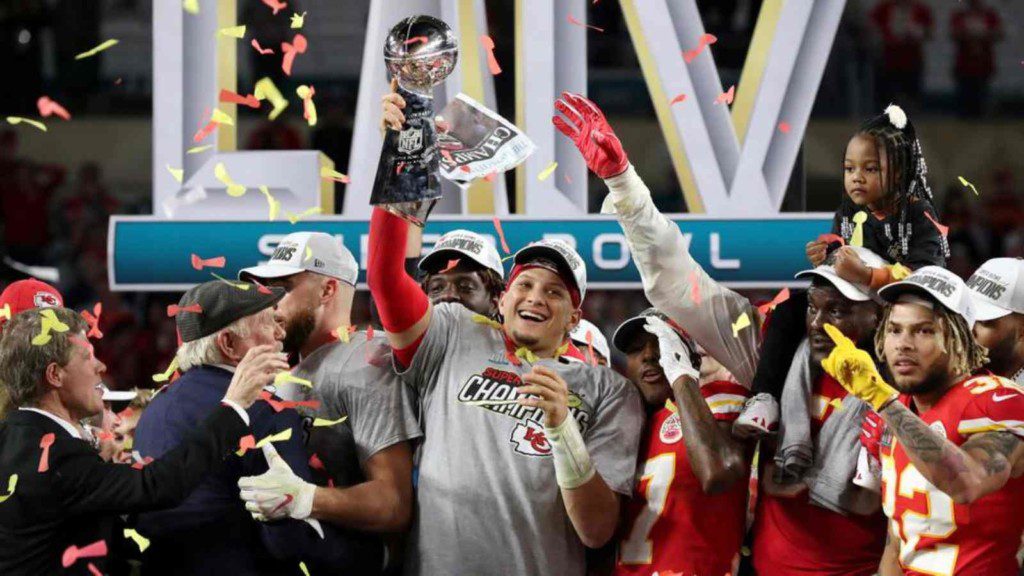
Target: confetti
(231,97)
(141,541)
(173,309)
(49,322)
(784,127)
(142,464)
(166,374)
(694,287)
(93,569)
(221,117)
(44,459)
(73,553)
(705,40)
(48,107)
(220,172)
(5,312)
(316,464)
(858,232)
(239,285)
(265,89)
(415,39)
(526,354)
(260,287)
(481,319)
(96,50)
(275,5)
(93,320)
(830,238)
(678,99)
(15,120)
(275,206)
(177,173)
(198,149)
(778,299)
(944,230)
(293,218)
(291,50)
(329,174)
(964,182)
(451,266)
(285,377)
(279,405)
(490,176)
(742,322)
(264,51)
(319,422)
(308,108)
(492,62)
(215,262)
(12,483)
(281,436)
(545,173)
(190,6)
(204,130)
(309,254)
(578,23)
(245,443)
(727,96)
(298,20)
(302,566)
(899,271)
(590,348)
(501,235)
(233,31)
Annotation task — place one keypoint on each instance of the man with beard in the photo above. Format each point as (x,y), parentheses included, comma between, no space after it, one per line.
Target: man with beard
(792,534)
(691,469)
(952,471)
(359,417)
(998,291)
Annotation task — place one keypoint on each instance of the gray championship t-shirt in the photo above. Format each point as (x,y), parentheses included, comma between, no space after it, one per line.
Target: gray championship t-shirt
(354,380)
(487,498)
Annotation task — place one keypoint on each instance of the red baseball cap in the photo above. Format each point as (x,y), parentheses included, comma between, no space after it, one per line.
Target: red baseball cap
(27,294)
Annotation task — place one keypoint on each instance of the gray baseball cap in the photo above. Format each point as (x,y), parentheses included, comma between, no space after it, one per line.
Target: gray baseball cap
(597,339)
(941,285)
(997,288)
(307,252)
(855,292)
(459,244)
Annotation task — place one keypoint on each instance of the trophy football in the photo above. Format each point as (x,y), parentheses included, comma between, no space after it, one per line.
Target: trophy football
(420,51)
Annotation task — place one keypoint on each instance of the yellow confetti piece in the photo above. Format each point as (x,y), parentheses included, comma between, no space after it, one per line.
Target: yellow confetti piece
(742,322)
(178,173)
(220,172)
(275,206)
(5,312)
(526,354)
(49,322)
(96,50)
(298,20)
(192,7)
(308,108)
(284,377)
(326,172)
(302,566)
(858,232)
(964,182)
(836,403)
(344,333)
(547,171)
(141,541)
(309,254)
(233,31)
(325,422)
(293,218)
(562,349)
(899,271)
(198,149)
(281,436)
(18,120)
(12,483)
(239,285)
(222,118)
(166,375)
(266,90)
(481,319)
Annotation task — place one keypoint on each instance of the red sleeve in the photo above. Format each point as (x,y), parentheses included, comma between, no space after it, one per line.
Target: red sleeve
(998,406)
(725,399)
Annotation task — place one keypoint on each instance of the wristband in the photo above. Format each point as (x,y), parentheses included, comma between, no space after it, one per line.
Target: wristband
(572,461)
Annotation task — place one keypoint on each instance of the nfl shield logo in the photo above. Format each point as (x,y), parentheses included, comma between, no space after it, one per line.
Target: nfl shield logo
(410,140)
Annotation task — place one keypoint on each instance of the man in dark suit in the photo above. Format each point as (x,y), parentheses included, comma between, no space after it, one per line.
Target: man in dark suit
(58,495)
(211,532)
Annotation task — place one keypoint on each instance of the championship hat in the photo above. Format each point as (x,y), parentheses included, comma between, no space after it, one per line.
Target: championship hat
(853,291)
(941,285)
(568,263)
(307,252)
(459,244)
(997,288)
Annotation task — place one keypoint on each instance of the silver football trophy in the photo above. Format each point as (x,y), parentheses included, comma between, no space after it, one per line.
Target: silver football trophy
(420,52)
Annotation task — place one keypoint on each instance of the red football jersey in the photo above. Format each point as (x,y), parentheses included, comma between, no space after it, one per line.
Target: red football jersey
(670,524)
(794,536)
(937,536)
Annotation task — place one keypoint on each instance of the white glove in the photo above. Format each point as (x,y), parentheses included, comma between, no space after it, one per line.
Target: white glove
(278,492)
(675,354)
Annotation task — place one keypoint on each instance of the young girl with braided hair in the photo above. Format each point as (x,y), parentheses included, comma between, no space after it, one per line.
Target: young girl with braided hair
(886,208)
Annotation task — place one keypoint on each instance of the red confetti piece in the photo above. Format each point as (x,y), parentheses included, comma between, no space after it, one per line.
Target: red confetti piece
(291,50)
(316,464)
(73,553)
(464,168)
(234,98)
(578,23)
(173,309)
(93,320)
(447,156)
(369,332)
(490,176)
(93,569)
(415,39)
(215,262)
(830,238)
(501,235)
(451,266)
(398,169)
(126,413)
(492,62)
(705,40)
(48,107)
(784,127)
(678,99)
(105,435)
(275,5)
(942,229)
(279,405)
(694,287)
(590,348)
(247,442)
(781,297)
(260,287)
(141,465)
(726,97)
(263,51)
(45,442)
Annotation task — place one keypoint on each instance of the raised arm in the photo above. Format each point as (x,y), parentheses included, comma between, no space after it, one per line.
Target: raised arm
(673,281)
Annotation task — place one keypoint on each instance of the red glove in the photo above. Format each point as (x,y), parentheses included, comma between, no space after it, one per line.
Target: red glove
(871,432)
(590,132)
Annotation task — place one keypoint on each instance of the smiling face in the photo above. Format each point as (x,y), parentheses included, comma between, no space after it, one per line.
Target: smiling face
(538,310)
(857,320)
(79,383)
(864,169)
(914,350)
(643,370)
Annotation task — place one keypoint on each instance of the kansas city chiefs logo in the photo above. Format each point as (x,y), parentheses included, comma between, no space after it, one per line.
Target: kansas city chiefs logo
(45,300)
(529,439)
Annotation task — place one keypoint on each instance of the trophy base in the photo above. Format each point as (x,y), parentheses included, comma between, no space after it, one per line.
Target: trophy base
(415,213)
